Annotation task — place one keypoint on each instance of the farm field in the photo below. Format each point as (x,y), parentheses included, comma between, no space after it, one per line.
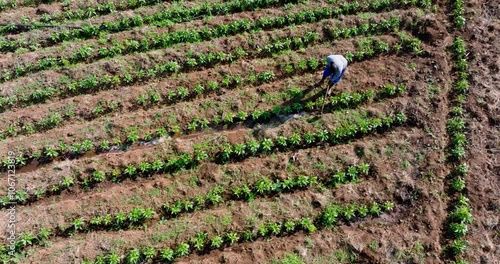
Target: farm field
(191,131)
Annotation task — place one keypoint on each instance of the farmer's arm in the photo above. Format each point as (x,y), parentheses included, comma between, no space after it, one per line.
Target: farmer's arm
(326,74)
(336,73)
(321,81)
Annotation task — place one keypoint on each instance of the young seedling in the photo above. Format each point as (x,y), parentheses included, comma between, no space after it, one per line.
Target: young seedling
(231,238)
(183,249)
(216,242)
(167,255)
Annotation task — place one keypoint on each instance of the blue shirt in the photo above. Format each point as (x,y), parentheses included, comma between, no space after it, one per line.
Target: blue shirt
(335,71)
(328,71)
(334,76)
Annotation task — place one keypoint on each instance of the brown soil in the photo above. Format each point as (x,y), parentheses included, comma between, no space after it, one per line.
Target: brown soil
(483,106)
(409,162)
(84,104)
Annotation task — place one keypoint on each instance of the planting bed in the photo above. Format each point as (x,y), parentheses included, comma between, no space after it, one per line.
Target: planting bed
(164,131)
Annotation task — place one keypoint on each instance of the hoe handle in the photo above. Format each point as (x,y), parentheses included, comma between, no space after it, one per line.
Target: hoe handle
(324,97)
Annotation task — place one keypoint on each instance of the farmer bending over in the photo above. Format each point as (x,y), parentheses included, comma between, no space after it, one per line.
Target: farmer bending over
(335,68)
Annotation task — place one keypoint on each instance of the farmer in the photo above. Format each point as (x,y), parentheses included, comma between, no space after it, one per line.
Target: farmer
(335,68)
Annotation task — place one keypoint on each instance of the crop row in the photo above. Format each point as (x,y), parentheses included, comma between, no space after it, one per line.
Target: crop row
(138,216)
(182,93)
(191,62)
(4,4)
(458,220)
(81,13)
(344,100)
(168,16)
(93,83)
(160,41)
(55,118)
(202,243)
(11,4)
(456,124)
(460,215)
(79,148)
(457,13)
(221,154)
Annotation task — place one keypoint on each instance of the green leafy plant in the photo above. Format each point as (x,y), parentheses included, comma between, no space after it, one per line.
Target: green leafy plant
(198,241)
(387,206)
(375,209)
(67,182)
(349,212)
(458,184)
(130,171)
(458,247)
(51,152)
(307,224)
(458,229)
(167,254)
(183,249)
(216,242)
(362,210)
(133,257)
(231,238)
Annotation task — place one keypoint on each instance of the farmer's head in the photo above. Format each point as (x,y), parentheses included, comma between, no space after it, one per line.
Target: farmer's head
(329,62)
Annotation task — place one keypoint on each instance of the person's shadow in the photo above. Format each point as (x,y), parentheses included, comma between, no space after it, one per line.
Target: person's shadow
(301,98)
